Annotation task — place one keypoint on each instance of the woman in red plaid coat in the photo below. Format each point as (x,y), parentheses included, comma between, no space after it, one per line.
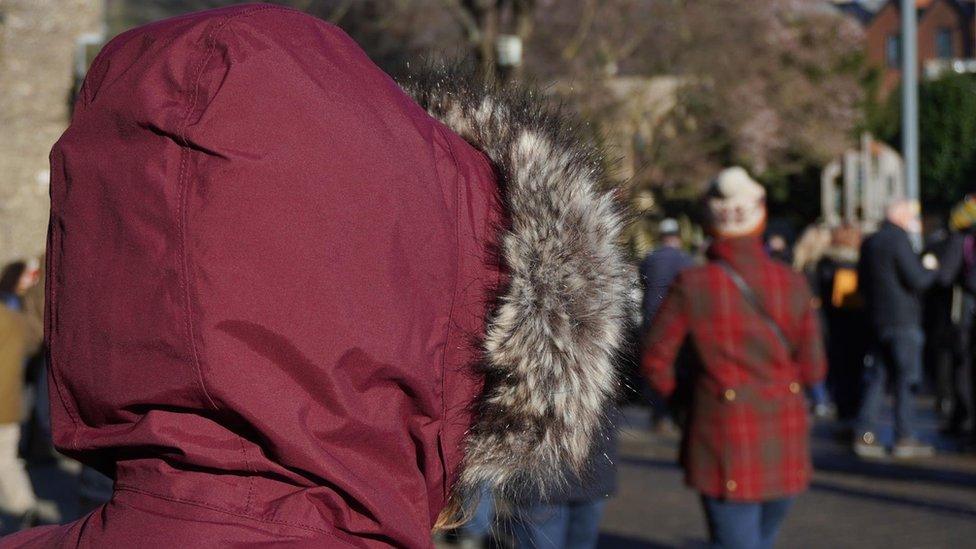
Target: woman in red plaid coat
(752,323)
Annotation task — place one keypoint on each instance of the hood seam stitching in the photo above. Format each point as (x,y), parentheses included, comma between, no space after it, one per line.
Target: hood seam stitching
(445,488)
(301,526)
(184,183)
(182,223)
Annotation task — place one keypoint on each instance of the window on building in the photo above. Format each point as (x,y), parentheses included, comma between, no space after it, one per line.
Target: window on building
(943,44)
(893,50)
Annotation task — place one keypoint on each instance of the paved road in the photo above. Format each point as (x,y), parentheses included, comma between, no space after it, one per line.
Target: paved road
(852,503)
(883,504)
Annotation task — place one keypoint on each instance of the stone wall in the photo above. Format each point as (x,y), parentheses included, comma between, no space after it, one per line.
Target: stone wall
(38,42)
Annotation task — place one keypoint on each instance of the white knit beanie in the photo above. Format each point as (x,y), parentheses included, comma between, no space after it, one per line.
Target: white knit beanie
(736,203)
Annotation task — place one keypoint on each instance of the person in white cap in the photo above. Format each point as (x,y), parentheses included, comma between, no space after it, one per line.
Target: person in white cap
(662,265)
(751,322)
(658,271)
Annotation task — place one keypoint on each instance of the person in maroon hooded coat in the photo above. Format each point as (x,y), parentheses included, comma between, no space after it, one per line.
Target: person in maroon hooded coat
(291,306)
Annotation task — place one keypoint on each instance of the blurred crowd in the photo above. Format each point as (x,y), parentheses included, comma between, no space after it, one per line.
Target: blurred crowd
(885,313)
(746,340)
(896,312)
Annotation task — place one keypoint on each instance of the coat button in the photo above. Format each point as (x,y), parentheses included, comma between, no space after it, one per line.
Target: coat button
(731,486)
(729,395)
(795,388)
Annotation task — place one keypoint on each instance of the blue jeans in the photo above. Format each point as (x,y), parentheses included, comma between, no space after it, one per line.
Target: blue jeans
(94,489)
(42,406)
(574,525)
(480,524)
(743,525)
(818,394)
(897,354)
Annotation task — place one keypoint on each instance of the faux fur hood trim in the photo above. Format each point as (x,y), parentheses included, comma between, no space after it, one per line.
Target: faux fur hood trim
(551,342)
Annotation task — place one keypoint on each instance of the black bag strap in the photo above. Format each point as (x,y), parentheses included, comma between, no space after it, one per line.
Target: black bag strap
(753,300)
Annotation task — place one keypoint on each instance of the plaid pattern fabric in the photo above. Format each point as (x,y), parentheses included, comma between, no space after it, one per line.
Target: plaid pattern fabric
(747,437)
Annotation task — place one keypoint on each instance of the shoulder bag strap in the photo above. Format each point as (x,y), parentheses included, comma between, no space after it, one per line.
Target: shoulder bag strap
(753,300)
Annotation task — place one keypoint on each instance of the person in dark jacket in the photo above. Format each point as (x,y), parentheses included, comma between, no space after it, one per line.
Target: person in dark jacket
(658,271)
(661,266)
(778,248)
(941,308)
(842,308)
(892,278)
(959,282)
(324,311)
(37,445)
(752,321)
(569,517)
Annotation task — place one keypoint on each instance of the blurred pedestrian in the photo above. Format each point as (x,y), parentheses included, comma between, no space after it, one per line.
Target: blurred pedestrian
(452,321)
(15,280)
(845,325)
(809,250)
(778,248)
(942,306)
(751,320)
(958,383)
(658,271)
(18,281)
(18,339)
(661,266)
(36,443)
(892,278)
(569,517)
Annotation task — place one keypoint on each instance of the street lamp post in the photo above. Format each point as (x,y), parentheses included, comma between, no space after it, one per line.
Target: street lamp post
(909,86)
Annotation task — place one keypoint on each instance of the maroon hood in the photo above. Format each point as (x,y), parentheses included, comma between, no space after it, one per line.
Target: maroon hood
(269,274)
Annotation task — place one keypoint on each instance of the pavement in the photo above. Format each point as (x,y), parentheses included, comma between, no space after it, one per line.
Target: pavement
(882,504)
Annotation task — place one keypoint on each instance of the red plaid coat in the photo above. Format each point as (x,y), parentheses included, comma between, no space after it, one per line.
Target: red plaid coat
(747,437)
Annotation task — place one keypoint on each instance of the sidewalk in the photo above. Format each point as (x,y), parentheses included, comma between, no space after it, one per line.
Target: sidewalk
(881,504)
(852,503)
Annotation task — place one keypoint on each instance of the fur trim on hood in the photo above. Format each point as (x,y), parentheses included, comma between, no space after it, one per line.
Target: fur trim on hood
(551,342)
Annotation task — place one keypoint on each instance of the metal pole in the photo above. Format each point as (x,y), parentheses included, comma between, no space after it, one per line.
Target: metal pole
(909,80)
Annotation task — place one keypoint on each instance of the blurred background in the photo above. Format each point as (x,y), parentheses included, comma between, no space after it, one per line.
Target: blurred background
(806,94)
(675,88)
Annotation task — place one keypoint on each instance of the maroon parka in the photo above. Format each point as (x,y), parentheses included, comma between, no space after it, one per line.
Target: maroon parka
(748,437)
(269,277)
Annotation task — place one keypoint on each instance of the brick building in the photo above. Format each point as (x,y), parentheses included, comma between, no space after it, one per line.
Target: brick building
(945,34)
(39,49)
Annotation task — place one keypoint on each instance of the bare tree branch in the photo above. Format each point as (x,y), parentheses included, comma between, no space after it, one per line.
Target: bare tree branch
(465,18)
(579,37)
(339,12)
